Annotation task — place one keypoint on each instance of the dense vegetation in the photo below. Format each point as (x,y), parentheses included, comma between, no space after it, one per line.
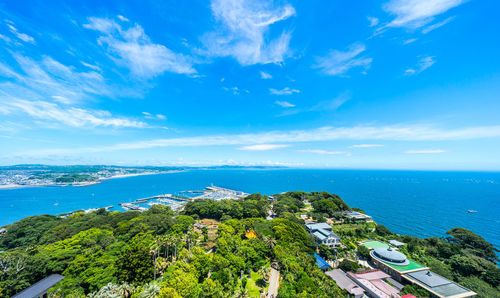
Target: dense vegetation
(218,249)
(254,205)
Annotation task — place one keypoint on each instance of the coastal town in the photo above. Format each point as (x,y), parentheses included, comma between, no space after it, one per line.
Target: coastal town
(40,175)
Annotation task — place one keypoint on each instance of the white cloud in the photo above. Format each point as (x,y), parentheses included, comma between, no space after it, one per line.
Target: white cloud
(154,117)
(49,78)
(72,116)
(263,147)
(22,36)
(332,104)
(373,21)
(422,65)
(408,41)
(235,90)
(284,104)
(243,31)
(433,151)
(366,146)
(284,91)
(337,63)
(265,75)
(61,99)
(437,25)
(122,18)
(5,38)
(94,67)
(132,48)
(417,13)
(320,151)
(391,132)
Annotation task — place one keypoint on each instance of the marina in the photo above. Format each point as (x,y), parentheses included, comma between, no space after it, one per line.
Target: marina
(176,202)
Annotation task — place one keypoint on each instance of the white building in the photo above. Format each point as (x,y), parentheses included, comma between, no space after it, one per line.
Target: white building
(358,216)
(322,233)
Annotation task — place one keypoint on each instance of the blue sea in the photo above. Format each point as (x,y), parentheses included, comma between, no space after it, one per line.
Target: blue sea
(417,203)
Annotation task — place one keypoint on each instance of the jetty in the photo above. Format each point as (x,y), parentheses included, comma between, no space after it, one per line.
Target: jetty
(176,202)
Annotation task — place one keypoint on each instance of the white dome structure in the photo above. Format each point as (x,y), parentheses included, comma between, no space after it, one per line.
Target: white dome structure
(388,255)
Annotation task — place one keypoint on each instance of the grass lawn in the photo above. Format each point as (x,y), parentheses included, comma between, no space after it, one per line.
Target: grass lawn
(372,244)
(344,227)
(253,289)
(411,266)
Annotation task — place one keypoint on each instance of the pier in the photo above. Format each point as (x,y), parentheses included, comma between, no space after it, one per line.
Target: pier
(176,202)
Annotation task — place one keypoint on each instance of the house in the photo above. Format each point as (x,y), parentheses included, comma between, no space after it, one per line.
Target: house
(322,264)
(396,243)
(322,233)
(358,216)
(373,283)
(346,283)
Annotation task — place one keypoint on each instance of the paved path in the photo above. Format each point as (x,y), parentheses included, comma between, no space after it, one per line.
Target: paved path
(274,283)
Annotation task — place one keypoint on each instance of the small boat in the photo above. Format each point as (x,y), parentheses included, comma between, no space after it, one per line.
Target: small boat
(471,211)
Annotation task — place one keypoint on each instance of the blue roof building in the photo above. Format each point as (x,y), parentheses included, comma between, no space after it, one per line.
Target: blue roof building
(322,264)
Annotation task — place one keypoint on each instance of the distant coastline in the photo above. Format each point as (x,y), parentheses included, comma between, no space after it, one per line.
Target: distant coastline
(86,183)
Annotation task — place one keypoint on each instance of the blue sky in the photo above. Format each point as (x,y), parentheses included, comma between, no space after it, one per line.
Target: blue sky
(395,84)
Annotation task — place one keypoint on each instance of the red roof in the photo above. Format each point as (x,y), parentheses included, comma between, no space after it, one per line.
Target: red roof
(408,296)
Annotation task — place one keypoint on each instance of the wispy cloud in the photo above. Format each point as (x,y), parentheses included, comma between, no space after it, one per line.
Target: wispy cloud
(417,13)
(332,104)
(154,116)
(408,41)
(122,18)
(284,104)
(22,36)
(373,21)
(49,78)
(433,151)
(393,132)
(235,90)
(72,116)
(338,63)
(265,75)
(263,147)
(437,25)
(242,30)
(284,91)
(320,151)
(322,106)
(366,146)
(132,48)
(91,66)
(422,65)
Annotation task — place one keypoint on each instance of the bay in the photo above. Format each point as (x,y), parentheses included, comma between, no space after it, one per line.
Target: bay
(420,203)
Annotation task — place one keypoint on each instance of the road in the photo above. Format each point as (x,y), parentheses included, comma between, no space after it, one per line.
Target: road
(274,283)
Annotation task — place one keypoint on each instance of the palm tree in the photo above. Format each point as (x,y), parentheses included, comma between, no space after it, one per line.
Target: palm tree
(269,241)
(155,251)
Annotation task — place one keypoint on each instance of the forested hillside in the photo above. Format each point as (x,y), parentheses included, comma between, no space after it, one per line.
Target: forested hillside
(216,249)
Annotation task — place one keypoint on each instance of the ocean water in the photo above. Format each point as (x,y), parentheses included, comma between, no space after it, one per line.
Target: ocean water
(407,202)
